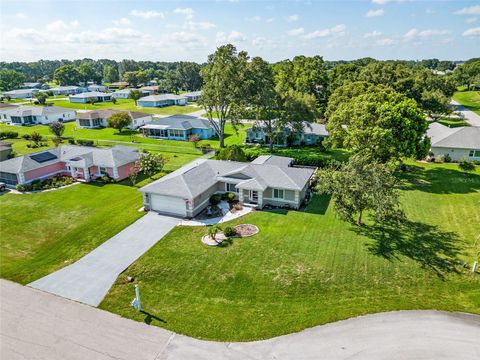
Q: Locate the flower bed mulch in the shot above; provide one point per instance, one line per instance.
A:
(245, 230)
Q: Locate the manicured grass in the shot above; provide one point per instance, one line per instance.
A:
(469, 99)
(308, 268)
(126, 104)
(232, 137)
(42, 232)
(453, 123)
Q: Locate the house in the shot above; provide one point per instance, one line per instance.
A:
(150, 90)
(98, 118)
(162, 100)
(32, 115)
(96, 87)
(31, 85)
(268, 180)
(20, 93)
(312, 134)
(193, 95)
(122, 94)
(5, 150)
(460, 143)
(118, 85)
(67, 90)
(86, 97)
(178, 127)
(81, 162)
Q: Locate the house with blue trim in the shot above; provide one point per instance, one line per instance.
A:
(84, 98)
(178, 127)
(162, 100)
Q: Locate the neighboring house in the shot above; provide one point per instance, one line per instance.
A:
(312, 134)
(193, 95)
(122, 94)
(98, 118)
(150, 90)
(162, 100)
(84, 98)
(32, 115)
(31, 85)
(96, 87)
(460, 143)
(67, 90)
(81, 162)
(5, 150)
(269, 180)
(20, 93)
(118, 85)
(178, 127)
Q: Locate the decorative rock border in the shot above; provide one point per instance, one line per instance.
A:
(249, 230)
(207, 240)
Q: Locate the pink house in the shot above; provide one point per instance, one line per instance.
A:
(81, 162)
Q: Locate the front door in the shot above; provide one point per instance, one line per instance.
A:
(254, 196)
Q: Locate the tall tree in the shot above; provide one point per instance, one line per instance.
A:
(41, 97)
(67, 75)
(135, 95)
(119, 121)
(172, 82)
(152, 163)
(110, 74)
(10, 79)
(225, 85)
(87, 72)
(189, 75)
(360, 185)
(435, 104)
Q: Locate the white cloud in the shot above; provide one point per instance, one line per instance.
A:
(375, 13)
(424, 34)
(335, 31)
(60, 25)
(122, 22)
(200, 25)
(269, 20)
(255, 18)
(232, 37)
(372, 34)
(385, 42)
(383, 2)
(20, 15)
(262, 43)
(293, 18)
(147, 14)
(473, 32)
(471, 10)
(188, 12)
(430, 11)
(296, 32)
(471, 20)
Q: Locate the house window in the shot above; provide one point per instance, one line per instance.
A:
(16, 119)
(97, 122)
(278, 194)
(476, 153)
(102, 170)
(84, 122)
(230, 187)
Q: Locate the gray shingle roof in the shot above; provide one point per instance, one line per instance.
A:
(104, 114)
(181, 122)
(36, 111)
(89, 95)
(196, 177)
(273, 160)
(193, 93)
(308, 128)
(467, 137)
(161, 97)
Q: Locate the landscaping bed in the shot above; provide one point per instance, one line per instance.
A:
(246, 230)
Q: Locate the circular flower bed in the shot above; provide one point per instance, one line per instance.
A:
(245, 230)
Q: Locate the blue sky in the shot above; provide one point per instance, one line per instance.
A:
(275, 30)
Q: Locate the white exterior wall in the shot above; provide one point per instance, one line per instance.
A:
(136, 123)
(69, 116)
(455, 154)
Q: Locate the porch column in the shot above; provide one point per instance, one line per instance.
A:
(86, 175)
(240, 195)
(72, 171)
(297, 198)
(260, 199)
(115, 173)
(21, 178)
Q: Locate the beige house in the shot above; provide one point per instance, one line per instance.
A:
(268, 180)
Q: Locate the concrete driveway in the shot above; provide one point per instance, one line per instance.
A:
(89, 279)
(38, 325)
(469, 116)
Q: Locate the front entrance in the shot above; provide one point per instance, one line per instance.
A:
(254, 197)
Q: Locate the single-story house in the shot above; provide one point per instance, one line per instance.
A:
(5, 150)
(81, 162)
(122, 94)
(193, 95)
(31, 115)
(98, 118)
(67, 90)
(178, 127)
(118, 85)
(150, 90)
(312, 134)
(162, 100)
(20, 93)
(31, 85)
(269, 180)
(460, 143)
(84, 98)
(96, 87)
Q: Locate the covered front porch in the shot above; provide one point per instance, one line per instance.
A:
(81, 170)
(165, 132)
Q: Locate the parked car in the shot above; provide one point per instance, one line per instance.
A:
(3, 186)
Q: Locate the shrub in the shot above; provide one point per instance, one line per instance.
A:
(229, 196)
(215, 199)
(229, 231)
(26, 136)
(447, 158)
(85, 142)
(213, 231)
(466, 165)
(71, 141)
(8, 134)
(439, 159)
(20, 187)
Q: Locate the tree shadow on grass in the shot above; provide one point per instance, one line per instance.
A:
(150, 317)
(319, 204)
(432, 248)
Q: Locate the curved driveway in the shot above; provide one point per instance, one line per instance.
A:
(38, 325)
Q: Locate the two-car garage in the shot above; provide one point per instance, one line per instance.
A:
(168, 205)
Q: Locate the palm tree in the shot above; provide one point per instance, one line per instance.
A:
(135, 95)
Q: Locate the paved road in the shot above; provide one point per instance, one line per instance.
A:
(38, 325)
(471, 117)
(89, 279)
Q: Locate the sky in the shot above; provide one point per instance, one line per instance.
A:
(275, 30)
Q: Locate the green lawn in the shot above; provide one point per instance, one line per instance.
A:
(308, 268)
(469, 99)
(126, 104)
(453, 123)
(42, 232)
(232, 137)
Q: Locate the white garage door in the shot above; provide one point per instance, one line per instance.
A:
(169, 205)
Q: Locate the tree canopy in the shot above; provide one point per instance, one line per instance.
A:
(10, 79)
(119, 121)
